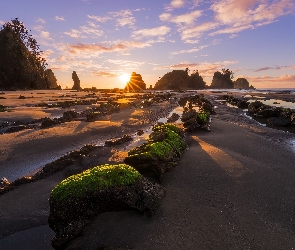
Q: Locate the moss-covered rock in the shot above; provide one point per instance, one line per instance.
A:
(78, 199)
(160, 153)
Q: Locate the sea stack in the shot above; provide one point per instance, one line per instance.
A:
(76, 80)
(136, 83)
(241, 83)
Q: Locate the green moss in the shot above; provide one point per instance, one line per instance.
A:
(167, 126)
(93, 179)
(173, 136)
(161, 150)
(203, 117)
(3, 108)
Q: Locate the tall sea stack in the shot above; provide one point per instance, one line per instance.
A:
(76, 80)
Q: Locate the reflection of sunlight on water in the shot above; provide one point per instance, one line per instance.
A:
(276, 103)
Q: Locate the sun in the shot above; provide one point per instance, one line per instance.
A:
(124, 78)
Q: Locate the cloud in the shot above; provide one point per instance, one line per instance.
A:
(40, 20)
(99, 18)
(189, 50)
(47, 53)
(158, 31)
(59, 18)
(187, 18)
(177, 3)
(45, 35)
(267, 79)
(126, 64)
(272, 68)
(94, 49)
(230, 30)
(86, 31)
(198, 30)
(124, 18)
(75, 34)
(104, 74)
(245, 13)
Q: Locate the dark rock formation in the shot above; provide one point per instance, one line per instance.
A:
(19, 67)
(70, 211)
(76, 80)
(50, 79)
(222, 80)
(118, 141)
(136, 83)
(241, 83)
(180, 79)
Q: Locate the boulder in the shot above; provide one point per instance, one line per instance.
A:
(77, 200)
(254, 106)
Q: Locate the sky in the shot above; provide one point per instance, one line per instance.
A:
(104, 41)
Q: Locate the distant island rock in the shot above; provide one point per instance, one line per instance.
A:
(180, 80)
(21, 64)
(222, 80)
(135, 83)
(241, 83)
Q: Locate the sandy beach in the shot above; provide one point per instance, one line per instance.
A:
(234, 188)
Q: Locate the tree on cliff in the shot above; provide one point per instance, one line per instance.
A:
(21, 63)
(180, 79)
(223, 80)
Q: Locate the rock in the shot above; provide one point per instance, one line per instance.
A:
(72, 207)
(4, 182)
(191, 124)
(266, 113)
(173, 118)
(279, 121)
(139, 132)
(135, 83)
(208, 107)
(241, 83)
(160, 154)
(124, 139)
(222, 80)
(14, 129)
(70, 115)
(93, 116)
(192, 113)
(180, 79)
(242, 104)
(76, 80)
(48, 122)
(254, 106)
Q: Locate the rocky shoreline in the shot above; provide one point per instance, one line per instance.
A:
(113, 152)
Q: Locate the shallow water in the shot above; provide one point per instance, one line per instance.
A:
(275, 102)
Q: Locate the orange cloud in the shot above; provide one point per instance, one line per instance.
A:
(98, 49)
(266, 78)
(104, 74)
